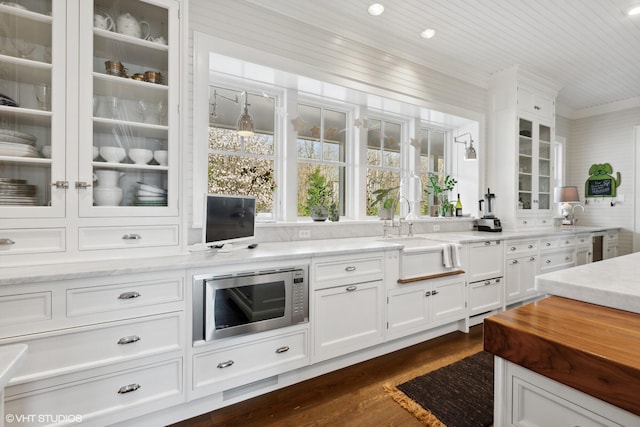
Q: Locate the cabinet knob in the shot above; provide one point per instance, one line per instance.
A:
(548, 261)
(434, 292)
(128, 388)
(128, 340)
(487, 282)
(283, 349)
(530, 246)
(548, 244)
(515, 261)
(537, 107)
(351, 288)
(567, 258)
(487, 243)
(226, 364)
(129, 295)
(513, 248)
(532, 258)
(350, 268)
(427, 294)
(6, 242)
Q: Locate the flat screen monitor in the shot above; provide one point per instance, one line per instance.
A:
(228, 219)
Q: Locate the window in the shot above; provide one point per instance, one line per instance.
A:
(241, 165)
(321, 157)
(432, 160)
(383, 158)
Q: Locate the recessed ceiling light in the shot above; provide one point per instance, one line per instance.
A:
(376, 9)
(428, 33)
(634, 11)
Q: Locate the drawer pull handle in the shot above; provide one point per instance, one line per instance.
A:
(548, 244)
(548, 261)
(226, 364)
(128, 340)
(513, 248)
(132, 236)
(427, 294)
(7, 242)
(532, 258)
(129, 295)
(128, 388)
(350, 268)
(434, 292)
(515, 261)
(525, 222)
(351, 288)
(487, 243)
(567, 258)
(282, 349)
(487, 282)
(530, 246)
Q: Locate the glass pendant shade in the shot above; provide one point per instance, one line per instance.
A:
(470, 152)
(245, 123)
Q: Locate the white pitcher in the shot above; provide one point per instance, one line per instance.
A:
(129, 26)
(107, 178)
(103, 21)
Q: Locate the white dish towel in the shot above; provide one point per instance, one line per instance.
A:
(451, 255)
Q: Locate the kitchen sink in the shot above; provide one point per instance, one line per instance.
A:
(411, 243)
(420, 257)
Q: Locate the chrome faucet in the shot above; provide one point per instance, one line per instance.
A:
(393, 224)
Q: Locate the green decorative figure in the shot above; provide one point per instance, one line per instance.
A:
(600, 182)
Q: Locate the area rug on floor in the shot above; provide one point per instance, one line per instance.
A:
(457, 395)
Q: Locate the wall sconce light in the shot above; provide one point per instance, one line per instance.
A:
(245, 121)
(469, 151)
(570, 200)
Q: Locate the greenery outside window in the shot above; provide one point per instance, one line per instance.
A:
(242, 165)
(321, 148)
(383, 159)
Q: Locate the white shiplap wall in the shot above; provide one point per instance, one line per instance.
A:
(322, 54)
(606, 138)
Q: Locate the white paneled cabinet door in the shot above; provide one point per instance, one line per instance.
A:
(32, 98)
(520, 278)
(534, 167)
(128, 97)
(347, 318)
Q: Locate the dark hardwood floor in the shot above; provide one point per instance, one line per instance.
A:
(352, 396)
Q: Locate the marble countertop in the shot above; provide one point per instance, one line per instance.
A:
(277, 251)
(614, 283)
(11, 357)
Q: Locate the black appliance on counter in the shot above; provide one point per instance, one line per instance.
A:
(488, 221)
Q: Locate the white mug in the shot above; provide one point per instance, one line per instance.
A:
(103, 22)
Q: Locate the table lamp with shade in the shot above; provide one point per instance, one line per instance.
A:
(570, 199)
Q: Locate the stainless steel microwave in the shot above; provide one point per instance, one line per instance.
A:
(249, 302)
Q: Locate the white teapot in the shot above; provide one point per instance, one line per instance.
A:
(103, 21)
(129, 26)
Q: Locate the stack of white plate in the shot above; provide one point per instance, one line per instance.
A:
(150, 195)
(17, 192)
(17, 144)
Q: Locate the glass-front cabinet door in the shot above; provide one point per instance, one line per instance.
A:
(534, 166)
(32, 98)
(128, 111)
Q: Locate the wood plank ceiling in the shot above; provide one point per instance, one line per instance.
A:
(588, 49)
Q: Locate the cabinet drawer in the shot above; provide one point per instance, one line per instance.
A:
(340, 271)
(99, 238)
(549, 244)
(583, 240)
(243, 364)
(100, 395)
(485, 296)
(486, 260)
(567, 242)
(521, 247)
(21, 309)
(81, 348)
(31, 241)
(123, 296)
(556, 261)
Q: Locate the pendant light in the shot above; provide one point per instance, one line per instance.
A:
(245, 121)
(469, 151)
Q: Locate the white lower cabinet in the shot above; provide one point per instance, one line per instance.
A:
(485, 296)
(418, 306)
(347, 318)
(236, 365)
(525, 398)
(520, 273)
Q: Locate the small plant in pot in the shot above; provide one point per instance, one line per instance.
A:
(387, 200)
(319, 196)
(441, 191)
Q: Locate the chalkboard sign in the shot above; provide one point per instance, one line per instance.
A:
(599, 187)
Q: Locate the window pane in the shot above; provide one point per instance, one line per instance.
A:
(377, 179)
(335, 124)
(374, 142)
(308, 149)
(223, 139)
(329, 176)
(311, 122)
(237, 175)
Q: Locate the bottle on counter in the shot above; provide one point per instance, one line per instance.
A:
(458, 206)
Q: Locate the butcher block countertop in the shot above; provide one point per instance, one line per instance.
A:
(588, 347)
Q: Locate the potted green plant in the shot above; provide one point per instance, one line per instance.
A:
(319, 196)
(441, 192)
(386, 200)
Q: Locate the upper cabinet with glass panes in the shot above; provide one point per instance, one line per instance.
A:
(129, 98)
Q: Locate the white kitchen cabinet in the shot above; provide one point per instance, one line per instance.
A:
(584, 251)
(610, 244)
(520, 151)
(525, 398)
(415, 307)
(485, 260)
(53, 46)
(485, 295)
(519, 278)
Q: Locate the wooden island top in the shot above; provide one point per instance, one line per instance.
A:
(588, 347)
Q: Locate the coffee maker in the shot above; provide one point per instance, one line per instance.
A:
(488, 221)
